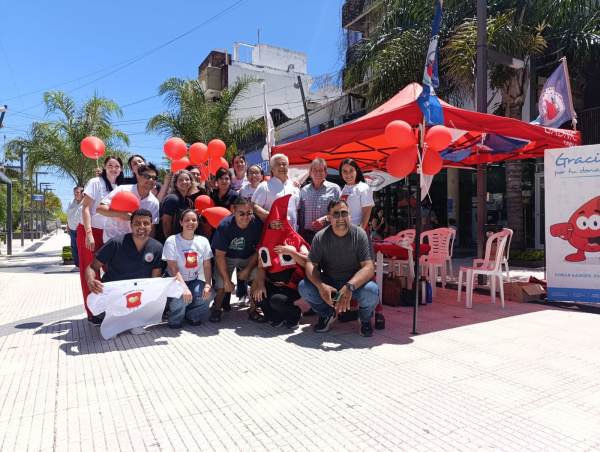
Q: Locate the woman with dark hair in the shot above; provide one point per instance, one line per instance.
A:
(239, 165)
(180, 198)
(378, 225)
(91, 227)
(197, 173)
(188, 258)
(255, 177)
(357, 193)
(134, 162)
(224, 195)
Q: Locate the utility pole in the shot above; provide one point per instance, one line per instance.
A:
(299, 85)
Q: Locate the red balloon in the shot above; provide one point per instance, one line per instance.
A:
(216, 164)
(180, 164)
(125, 201)
(400, 134)
(92, 147)
(175, 148)
(438, 138)
(214, 215)
(401, 162)
(203, 202)
(266, 178)
(198, 153)
(432, 162)
(216, 149)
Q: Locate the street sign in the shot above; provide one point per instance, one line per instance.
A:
(38, 197)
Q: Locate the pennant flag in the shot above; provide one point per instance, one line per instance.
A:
(270, 128)
(498, 144)
(428, 101)
(555, 104)
(456, 156)
(379, 179)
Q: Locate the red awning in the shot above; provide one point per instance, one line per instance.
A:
(364, 140)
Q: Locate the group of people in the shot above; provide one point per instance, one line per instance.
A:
(285, 242)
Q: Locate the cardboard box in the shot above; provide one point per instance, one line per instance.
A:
(523, 292)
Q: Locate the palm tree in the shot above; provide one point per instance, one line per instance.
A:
(56, 144)
(194, 118)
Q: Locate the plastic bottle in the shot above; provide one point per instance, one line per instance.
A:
(429, 292)
(422, 291)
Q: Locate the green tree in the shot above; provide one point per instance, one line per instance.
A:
(194, 118)
(57, 144)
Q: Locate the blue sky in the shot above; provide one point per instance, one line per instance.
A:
(45, 44)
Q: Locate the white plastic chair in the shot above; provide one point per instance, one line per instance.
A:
(436, 258)
(451, 238)
(491, 268)
(505, 256)
(405, 240)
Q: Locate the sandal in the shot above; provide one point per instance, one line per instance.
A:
(215, 317)
(255, 316)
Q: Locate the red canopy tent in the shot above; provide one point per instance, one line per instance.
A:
(364, 139)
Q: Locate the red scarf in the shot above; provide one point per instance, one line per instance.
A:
(270, 238)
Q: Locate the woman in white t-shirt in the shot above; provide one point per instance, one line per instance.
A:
(357, 193)
(91, 227)
(239, 165)
(255, 177)
(188, 259)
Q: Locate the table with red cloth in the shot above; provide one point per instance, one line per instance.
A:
(382, 247)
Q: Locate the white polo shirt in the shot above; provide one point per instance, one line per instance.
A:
(359, 196)
(96, 190)
(268, 191)
(114, 226)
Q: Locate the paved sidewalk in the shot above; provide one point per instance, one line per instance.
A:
(522, 378)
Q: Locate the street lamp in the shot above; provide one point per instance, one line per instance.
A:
(44, 204)
(37, 205)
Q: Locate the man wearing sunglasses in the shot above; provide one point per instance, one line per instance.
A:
(340, 266)
(235, 246)
(118, 223)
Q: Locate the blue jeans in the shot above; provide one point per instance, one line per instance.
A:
(194, 310)
(74, 252)
(367, 297)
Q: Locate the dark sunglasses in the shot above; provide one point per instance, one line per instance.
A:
(244, 214)
(253, 173)
(147, 176)
(343, 213)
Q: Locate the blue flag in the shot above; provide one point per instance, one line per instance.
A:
(555, 104)
(428, 101)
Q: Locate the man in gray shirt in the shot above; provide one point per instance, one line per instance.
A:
(340, 262)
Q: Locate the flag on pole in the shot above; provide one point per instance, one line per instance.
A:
(270, 128)
(555, 104)
(428, 101)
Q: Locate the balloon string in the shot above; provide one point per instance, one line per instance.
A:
(97, 161)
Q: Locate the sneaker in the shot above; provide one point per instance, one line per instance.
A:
(277, 323)
(194, 322)
(292, 324)
(173, 326)
(323, 325)
(137, 330)
(243, 300)
(366, 329)
(95, 320)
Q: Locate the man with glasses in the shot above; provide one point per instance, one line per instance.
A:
(118, 223)
(340, 268)
(277, 187)
(314, 199)
(235, 246)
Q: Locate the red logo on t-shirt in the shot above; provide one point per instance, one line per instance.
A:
(134, 300)
(191, 260)
(344, 197)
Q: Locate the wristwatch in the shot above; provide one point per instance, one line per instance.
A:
(350, 287)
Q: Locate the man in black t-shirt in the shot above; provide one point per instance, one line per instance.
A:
(130, 256)
(234, 244)
(344, 254)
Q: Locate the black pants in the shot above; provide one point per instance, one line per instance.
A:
(279, 304)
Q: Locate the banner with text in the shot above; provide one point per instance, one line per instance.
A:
(572, 185)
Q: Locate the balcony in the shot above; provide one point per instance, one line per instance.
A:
(356, 15)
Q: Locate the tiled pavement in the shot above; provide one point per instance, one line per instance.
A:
(522, 378)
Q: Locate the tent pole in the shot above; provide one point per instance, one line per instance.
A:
(418, 228)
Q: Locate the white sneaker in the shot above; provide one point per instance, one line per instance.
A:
(243, 301)
(137, 330)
